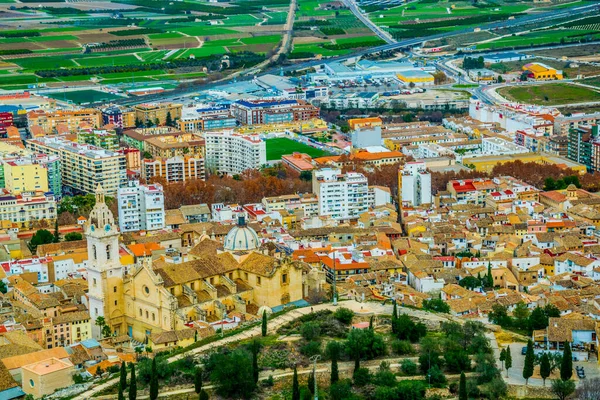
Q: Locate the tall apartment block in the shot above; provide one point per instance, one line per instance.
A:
(72, 120)
(82, 166)
(141, 207)
(415, 183)
(232, 153)
(341, 196)
(174, 169)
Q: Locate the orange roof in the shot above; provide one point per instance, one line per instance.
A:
(342, 267)
(82, 218)
(144, 249)
(25, 359)
(554, 224)
(12, 132)
(358, 122)
(306, 255)
(365, 155)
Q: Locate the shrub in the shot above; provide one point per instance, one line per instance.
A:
(344, 315)
(402, 347)
(311, 331)
(361, 377)
(408, 367)
(311, 349)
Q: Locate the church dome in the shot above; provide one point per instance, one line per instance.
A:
(241, 238)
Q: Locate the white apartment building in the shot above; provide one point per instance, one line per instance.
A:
(232, 153)
(141, 207)
(416, 184)
(27, 207)
(345, 196)
(82, 166)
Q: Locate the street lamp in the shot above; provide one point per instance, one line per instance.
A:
(314, 360)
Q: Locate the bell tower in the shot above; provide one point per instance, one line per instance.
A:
(104, 270)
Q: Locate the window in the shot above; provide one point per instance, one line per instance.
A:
(114, 289)
(31, 383)
(147, 314)
(95, 283)
(284, 278)
(94, 252)
(258, 280)
(115, 302)
(108, 252)
(153, 317)
(140, 312)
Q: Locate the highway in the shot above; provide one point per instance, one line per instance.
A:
(407, 43)
(383, 35)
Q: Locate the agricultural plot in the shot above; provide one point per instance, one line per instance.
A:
(550, 94)
(540, 38)
(106, 61)
(202, 52)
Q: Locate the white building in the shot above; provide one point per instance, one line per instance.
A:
(496, 146)
(141, 207)
(366, 137)
(416, 184)
(354, 100)
(38, 265)
(346, 196)
(231, 153)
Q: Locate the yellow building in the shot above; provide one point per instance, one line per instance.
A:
(22, 210)
(356, 123)
(157, 111)
(21, 175)
(539, 71)
(416, 77)
(72, 120)
(45, 377)
(183, 145)
(487, 163)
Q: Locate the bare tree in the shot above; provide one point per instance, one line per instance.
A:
(589, 389)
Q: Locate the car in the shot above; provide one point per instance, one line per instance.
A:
(524, 350)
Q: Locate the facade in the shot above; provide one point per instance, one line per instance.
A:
(231, 153)
(72, 120)
(175, 169)
(119, 117)
(366, 136)
(150, 113)
(83, 167)
(416, 77)
(539, 71)
(27, 207)
(415, 184)
(251, 112)
(498, 146)
(105, 139)
(202, 119)
(183, 145)
(45, 377)
(583, 146)
(341, 196)
(22, 175)
(141, 207)
(307, 202)
(353, 100)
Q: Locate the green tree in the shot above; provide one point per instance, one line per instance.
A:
(56, 236)
(470, 282)
(371, 323)
(538, 319)
(255, 349)
(264, 323)
(436, 377)
(154, 381)
(132, 384)
(123, 377)
(306, 175)
(489, 278)
(169, 119)
(120, 396)
(3, 287)
(344, 315)
(198, 380)
(203, 395)
(295, 386)
(528, 363)
(232, 374)
(42, 236)
(502, 357)
(437, 305)
(566, 367)
(73, 236)
(408, 367)
(508, 360)
(341, 390)
(521, 314)
(563, 389)
(311, 382)
(333, 349)
(545, 367)
(462, 387)
(310, 330)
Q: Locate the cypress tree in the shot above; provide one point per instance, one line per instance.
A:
(566, 367)
(311, 383)
(203, 395)
(394, 317)
(371, 323)
(56, 236)
(545, 367)
(502, 357)
(508, 360)
(198, 380)
(154, 381)
(120, 396)
(295, 386)
(123, 379)
(264, 323)
(335, 373)
(528, 364)
(462, 387)
(132, 384)
(489, 277)
(255, 348)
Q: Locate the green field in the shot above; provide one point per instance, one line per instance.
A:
(550, 94)
(104, 61)
(539, 38)
(282, 146)
(202, 52)
(84, 96)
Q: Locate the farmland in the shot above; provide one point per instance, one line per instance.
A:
(550, 94)
(282, 146)
(168, 32)
(542, 37)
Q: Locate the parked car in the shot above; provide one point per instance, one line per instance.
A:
(524, 350)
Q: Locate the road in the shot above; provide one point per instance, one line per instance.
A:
(275, 323)
(383, 35)
(403, 44)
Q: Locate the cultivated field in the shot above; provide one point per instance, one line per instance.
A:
(550, 94)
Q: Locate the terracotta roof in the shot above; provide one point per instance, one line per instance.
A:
(25, 359)
(561, 329)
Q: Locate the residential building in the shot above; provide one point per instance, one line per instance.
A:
(251, 112)
(202, 119)
(499, 146)
(141, 207)
(137, 137)
(307, 202)
(353, 100)
(167, 146)
(232, 153)
(584, 146)
(415, 183)
(298, 161)
(72, 120)
(105, 139)
(22, 175)
(175, 169)
(83, 167)
(27, 207)
(366, 136)
(157, 112)
(355, 123)
(119, 117)
(45, 377)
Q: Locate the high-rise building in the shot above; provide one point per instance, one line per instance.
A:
(83, 167)
(415, 183)
(103, 138)
(231, 153)
(250, 112)
(152, 112)
(72, 120)
(27, 207)
(341, 196)
(174, 169)
(141, 207)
